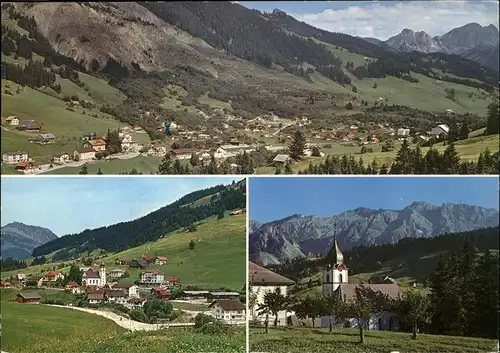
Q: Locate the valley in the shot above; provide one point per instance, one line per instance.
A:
(227, 110)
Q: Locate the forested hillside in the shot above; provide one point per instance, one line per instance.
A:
(151, 227)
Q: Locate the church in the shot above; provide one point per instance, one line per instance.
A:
(336, 282)
(94, 278)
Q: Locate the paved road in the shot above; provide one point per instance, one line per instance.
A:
(124, 322)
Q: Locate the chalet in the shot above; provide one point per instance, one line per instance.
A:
(120, 261)
(24, 166)
(131, 290)
(28, 297)
(237, 212)
(160, 260)
(52, 276)
(439, 130)
(172, 281)
(229, 311)
(73, 287)
(34, 281)
(282, 159)
(263, 281)
(29, 126)
(12, 120)
(61, 158)
(95, 297)
(161, 293)
(138, 263)
(97, 144)
(148, 258)
(43, 139)
(152, 277)
(116, 273)
(183, 153)
(84, 154)
(117, 296)
(15, 157)
(135, 303)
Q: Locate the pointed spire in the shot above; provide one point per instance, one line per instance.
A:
(334, 256)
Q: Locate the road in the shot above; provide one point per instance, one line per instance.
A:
(44, 168)
(124, 322)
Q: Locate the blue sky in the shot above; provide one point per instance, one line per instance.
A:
(70, 205)
(383, 19)
(276, 198)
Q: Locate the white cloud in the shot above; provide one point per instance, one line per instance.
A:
(382, 21)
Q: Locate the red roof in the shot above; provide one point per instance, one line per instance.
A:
(95, 296)
(159, 289)
(51, 273)
(172, 279)
(122, 259)
(72, 284)
(162, 258)
(23, 164)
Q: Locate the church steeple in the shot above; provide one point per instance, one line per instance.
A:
(335, 256)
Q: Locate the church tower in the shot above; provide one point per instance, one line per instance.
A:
(102, 274)
(335, 272)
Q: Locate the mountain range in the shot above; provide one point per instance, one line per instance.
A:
(19, 239)
(471, 41)
(298, 235)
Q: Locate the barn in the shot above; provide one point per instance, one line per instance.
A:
(29, 297)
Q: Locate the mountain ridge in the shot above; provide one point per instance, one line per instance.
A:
(19, 239)
(289, 238)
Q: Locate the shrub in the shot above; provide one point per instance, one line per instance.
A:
(202, 319)
(138, 315)
(75, 98)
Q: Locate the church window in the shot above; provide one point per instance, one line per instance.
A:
(327, 278)
(340, 278)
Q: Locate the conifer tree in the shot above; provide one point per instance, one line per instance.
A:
(297, 146)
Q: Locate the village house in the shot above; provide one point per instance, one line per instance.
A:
(28, 297)
(148, 258)
(282, 159)
(160, 293)
(229, 311)
(231, 150)
(43, 139)
(61, 158)
(73, 288)
(335, 282)
(349, 136)
(120, 261)
(15, 157)
(131, 290)
(84, 154)
(12, 120)
(97, 144)
(116, 273)
(5, 284)
(135, 303)
(116, 296)
(439, 130)
(263, 281)
(95, 297)
(21, 277)
(152, 277)
(237, 212)
(128, 144)
(52, 276)
(34, 281)
(182, 153)
(89, 136)
(26, 167)
(403, 133)
(138, 263)
(172, 281)
(28, 126)
(160, 260)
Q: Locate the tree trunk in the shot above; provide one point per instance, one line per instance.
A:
(266, 323)
(414, 331)
(361, 332)
(276, 320)
(330, 323)
(312, 319)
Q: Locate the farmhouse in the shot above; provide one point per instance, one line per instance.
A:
(84, 154)
(439, 130)
(282, 159)
(28, 297)
(230, 311)
(138, 263)
(117, 296)
(335, 282)
(61, 158)
(148, 258)
(25, 166)
(73, 287)
(135, 303)
(152, 277)
(34, 281)
(15, 157)
(183, 153)
(96, 144)
(95, 297)
(172, 281)
(161, 293)
(131, 290)
(263, 281)
(12, 120)
(120, 261)
(43, 139)
(29, 126)
(52, 276)
(160, 260)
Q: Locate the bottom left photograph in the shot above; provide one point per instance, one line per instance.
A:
(123, 264)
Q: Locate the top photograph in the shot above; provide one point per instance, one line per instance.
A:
(108, 88)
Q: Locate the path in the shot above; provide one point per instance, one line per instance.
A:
(282, 128)
(124, 322)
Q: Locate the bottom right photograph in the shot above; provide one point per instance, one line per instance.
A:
(373, 264)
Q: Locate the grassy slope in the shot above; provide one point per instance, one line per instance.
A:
(346, 341)
(218, 259)
(60, 330)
